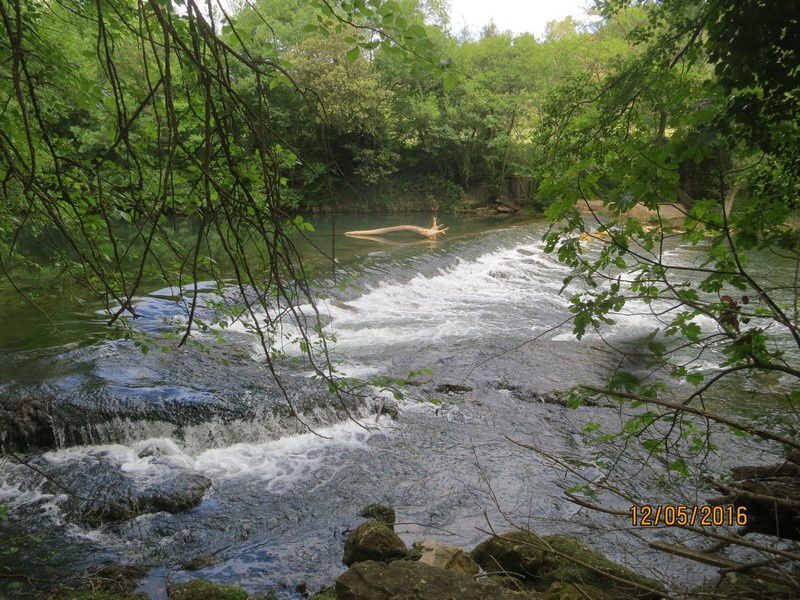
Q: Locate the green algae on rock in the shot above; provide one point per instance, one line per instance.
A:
(373, 540)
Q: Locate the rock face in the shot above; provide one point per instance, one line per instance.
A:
(517, 553)
(441, 556)
(408, 580)
(200, 589)
(373, 540)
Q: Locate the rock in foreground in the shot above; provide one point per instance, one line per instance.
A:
(409, 580)
(557, 562)
(440, 555)
(373, 540)
(570, 561)
(517, 553)
(201, 589)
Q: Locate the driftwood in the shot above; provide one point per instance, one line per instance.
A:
(431, 232)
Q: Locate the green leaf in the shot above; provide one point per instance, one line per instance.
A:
(450, 81)
(353, 54)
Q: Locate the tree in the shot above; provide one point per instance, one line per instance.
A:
(622, 145)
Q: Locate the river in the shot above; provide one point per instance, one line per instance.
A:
(478, 315)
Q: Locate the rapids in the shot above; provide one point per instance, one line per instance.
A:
(482, 310)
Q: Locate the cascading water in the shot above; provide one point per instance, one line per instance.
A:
(274, 498)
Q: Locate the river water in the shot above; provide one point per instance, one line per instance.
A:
(480, 311)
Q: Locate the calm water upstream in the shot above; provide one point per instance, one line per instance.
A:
(277, 500)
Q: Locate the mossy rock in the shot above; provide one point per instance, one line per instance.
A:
(516, 553)
(742, 586)
(411, 580)
(373, 540)
(201, 589)
(198, 563)
(111, 582)
(325, 594)
(506, 582)
(575, 591)
(559, 568)
(380, 512)
(96, 595)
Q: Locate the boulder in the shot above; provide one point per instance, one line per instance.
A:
(516, 553)
(201, 589)
(380, 512)
(410, 580)
(439, 555)
(561, 565)
(373, 540)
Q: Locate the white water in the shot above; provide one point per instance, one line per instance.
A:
(280, 464)
(514, 290)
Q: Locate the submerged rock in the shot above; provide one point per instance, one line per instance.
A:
(206, 397)
(202, 589)
(380, 512)
(439, 555)
(409, 580)
(452, 388)
(516, 553)
(198, 563)
(100, 492)
(373, 540)
(385, 406)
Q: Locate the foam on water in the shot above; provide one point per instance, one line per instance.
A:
(279, 463)
(511, 287)
(515, 287)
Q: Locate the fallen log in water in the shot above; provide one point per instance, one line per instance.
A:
(431, 232)
(771, 495)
